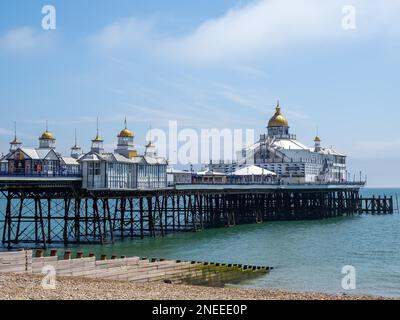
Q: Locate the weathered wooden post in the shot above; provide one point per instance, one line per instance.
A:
(39, 253)
(67, 255)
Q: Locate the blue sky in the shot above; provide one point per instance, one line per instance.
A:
(206, 64)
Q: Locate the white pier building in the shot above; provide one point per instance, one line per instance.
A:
(124, 168)
(279, 151)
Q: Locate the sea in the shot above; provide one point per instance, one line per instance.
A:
(305, 255)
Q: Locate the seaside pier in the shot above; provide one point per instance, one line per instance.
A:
(47, 199)
(43, 212)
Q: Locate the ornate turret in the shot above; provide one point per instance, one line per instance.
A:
(76, 150)
(97, 143)
(47, 139)
(278, 125)
(317, 144)
(125, 145)
(278, 120)
(15, 144)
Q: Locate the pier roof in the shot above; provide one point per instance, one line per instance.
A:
(253, 171)
(116, 157)
(210, 173)
(35, 154)
(154, 160)
(70, 161)
(108, 157)
(331, 152)
(172, 170)
(290, 144)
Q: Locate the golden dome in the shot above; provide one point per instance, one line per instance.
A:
(317, 139)
(98, 139)
(47, 136)
(126, 133)
(278, 120)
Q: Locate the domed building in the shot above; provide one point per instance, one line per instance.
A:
(15, 144)
(125, 144)
(278, 125)
(123, 169)
(43, 161)
(279, 151)
(47, 140)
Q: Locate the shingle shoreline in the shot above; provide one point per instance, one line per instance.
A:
(28, 287)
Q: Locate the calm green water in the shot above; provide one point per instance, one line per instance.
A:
(307, 256)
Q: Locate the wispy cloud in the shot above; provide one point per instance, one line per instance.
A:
(248, 70)
(297, 114)
(21, 135)
(125, 34)
(237, 98)
(6, 132)
(254, 30)
(25, 40)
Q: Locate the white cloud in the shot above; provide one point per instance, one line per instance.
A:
(266, 26)
(24, 40)
(125, 34)
(6, 132)
(257, 29)
(237, 98)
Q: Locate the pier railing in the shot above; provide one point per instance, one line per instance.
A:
(272, 183)
(42, 174)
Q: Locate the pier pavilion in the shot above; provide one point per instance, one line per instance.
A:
(41, 161)
(34, 161)
(279, 151)
(123, 169)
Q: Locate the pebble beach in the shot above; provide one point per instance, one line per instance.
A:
(28, 287)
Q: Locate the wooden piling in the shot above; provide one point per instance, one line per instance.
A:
(100, 217)
(39, 253)
(67, 255)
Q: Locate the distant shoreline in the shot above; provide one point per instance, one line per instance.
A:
(28, 287)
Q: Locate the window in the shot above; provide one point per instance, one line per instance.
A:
(94, 169)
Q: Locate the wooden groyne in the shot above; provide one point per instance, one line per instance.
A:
(132, 269)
